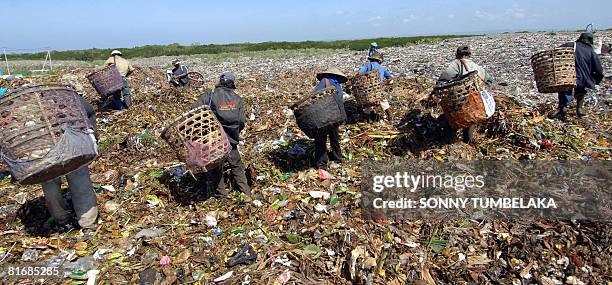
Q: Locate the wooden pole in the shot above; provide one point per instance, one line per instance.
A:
(45, 62)
(50, 61)
(6, 61)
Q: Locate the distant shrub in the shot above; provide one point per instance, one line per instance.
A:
(194, 48)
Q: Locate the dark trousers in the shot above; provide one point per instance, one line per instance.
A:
(321, 155)
(178, 83)
(566, 98)
(238, 175)
(123, 99)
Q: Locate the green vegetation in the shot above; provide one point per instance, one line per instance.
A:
(267, 54)
(181, 50)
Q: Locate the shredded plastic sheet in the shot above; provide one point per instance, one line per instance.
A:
(202, 157)
(75, 149)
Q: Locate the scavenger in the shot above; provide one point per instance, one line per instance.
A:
(330, 77)
(375, 64)
(461, 65)
(178, 75)
(121, 99)
(589, 73)
(372, 49)
(81, 191)
(229, 110)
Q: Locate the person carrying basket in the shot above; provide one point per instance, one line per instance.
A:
(589, 73)
(461, 65)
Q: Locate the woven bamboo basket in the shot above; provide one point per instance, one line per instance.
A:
(32, 122)
(461, 100)
(554, 70)
(198, 126)
(196, 77)
(106, 81)
(367, 89)
(319, 110)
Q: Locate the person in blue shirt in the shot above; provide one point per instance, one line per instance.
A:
(330, 77)
(372, 50)
(375, 63)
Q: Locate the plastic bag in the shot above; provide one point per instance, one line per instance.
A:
(202, 158)
(74, 150)
(489, 103)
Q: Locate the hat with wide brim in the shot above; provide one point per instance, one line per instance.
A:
(376, 56)
(116, 52)
(333, 71)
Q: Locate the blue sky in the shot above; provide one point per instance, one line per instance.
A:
(77, 24)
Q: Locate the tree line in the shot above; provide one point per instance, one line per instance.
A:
(181, 50)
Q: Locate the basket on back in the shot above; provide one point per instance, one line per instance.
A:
(463, 100)
(318, 111)
(554, 70)
(106, 81)
(44, 133)
(367, 89)
(199, 139)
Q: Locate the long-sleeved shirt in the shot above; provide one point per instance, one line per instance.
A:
(371, 51)
(373, 65)
(228, 108)
(181, 70)
(589, 71)
(455, 69)
(332, 82)
(122, 64)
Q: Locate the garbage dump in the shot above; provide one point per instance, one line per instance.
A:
(305, 226)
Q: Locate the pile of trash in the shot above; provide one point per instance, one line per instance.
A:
(305, 226)
(506, 56)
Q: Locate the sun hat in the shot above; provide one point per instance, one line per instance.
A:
(376, 56)
(333, 71)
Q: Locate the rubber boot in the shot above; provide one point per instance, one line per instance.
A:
(580, 106)
(559, 114)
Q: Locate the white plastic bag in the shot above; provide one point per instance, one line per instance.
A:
(489, 103)
(384, 104)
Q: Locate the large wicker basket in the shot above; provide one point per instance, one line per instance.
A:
(199, 139)
(33, 122)
(196, 78)
(554, 70)
(461, 100)
(318, 111)
(367, 89)
(106, 81)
